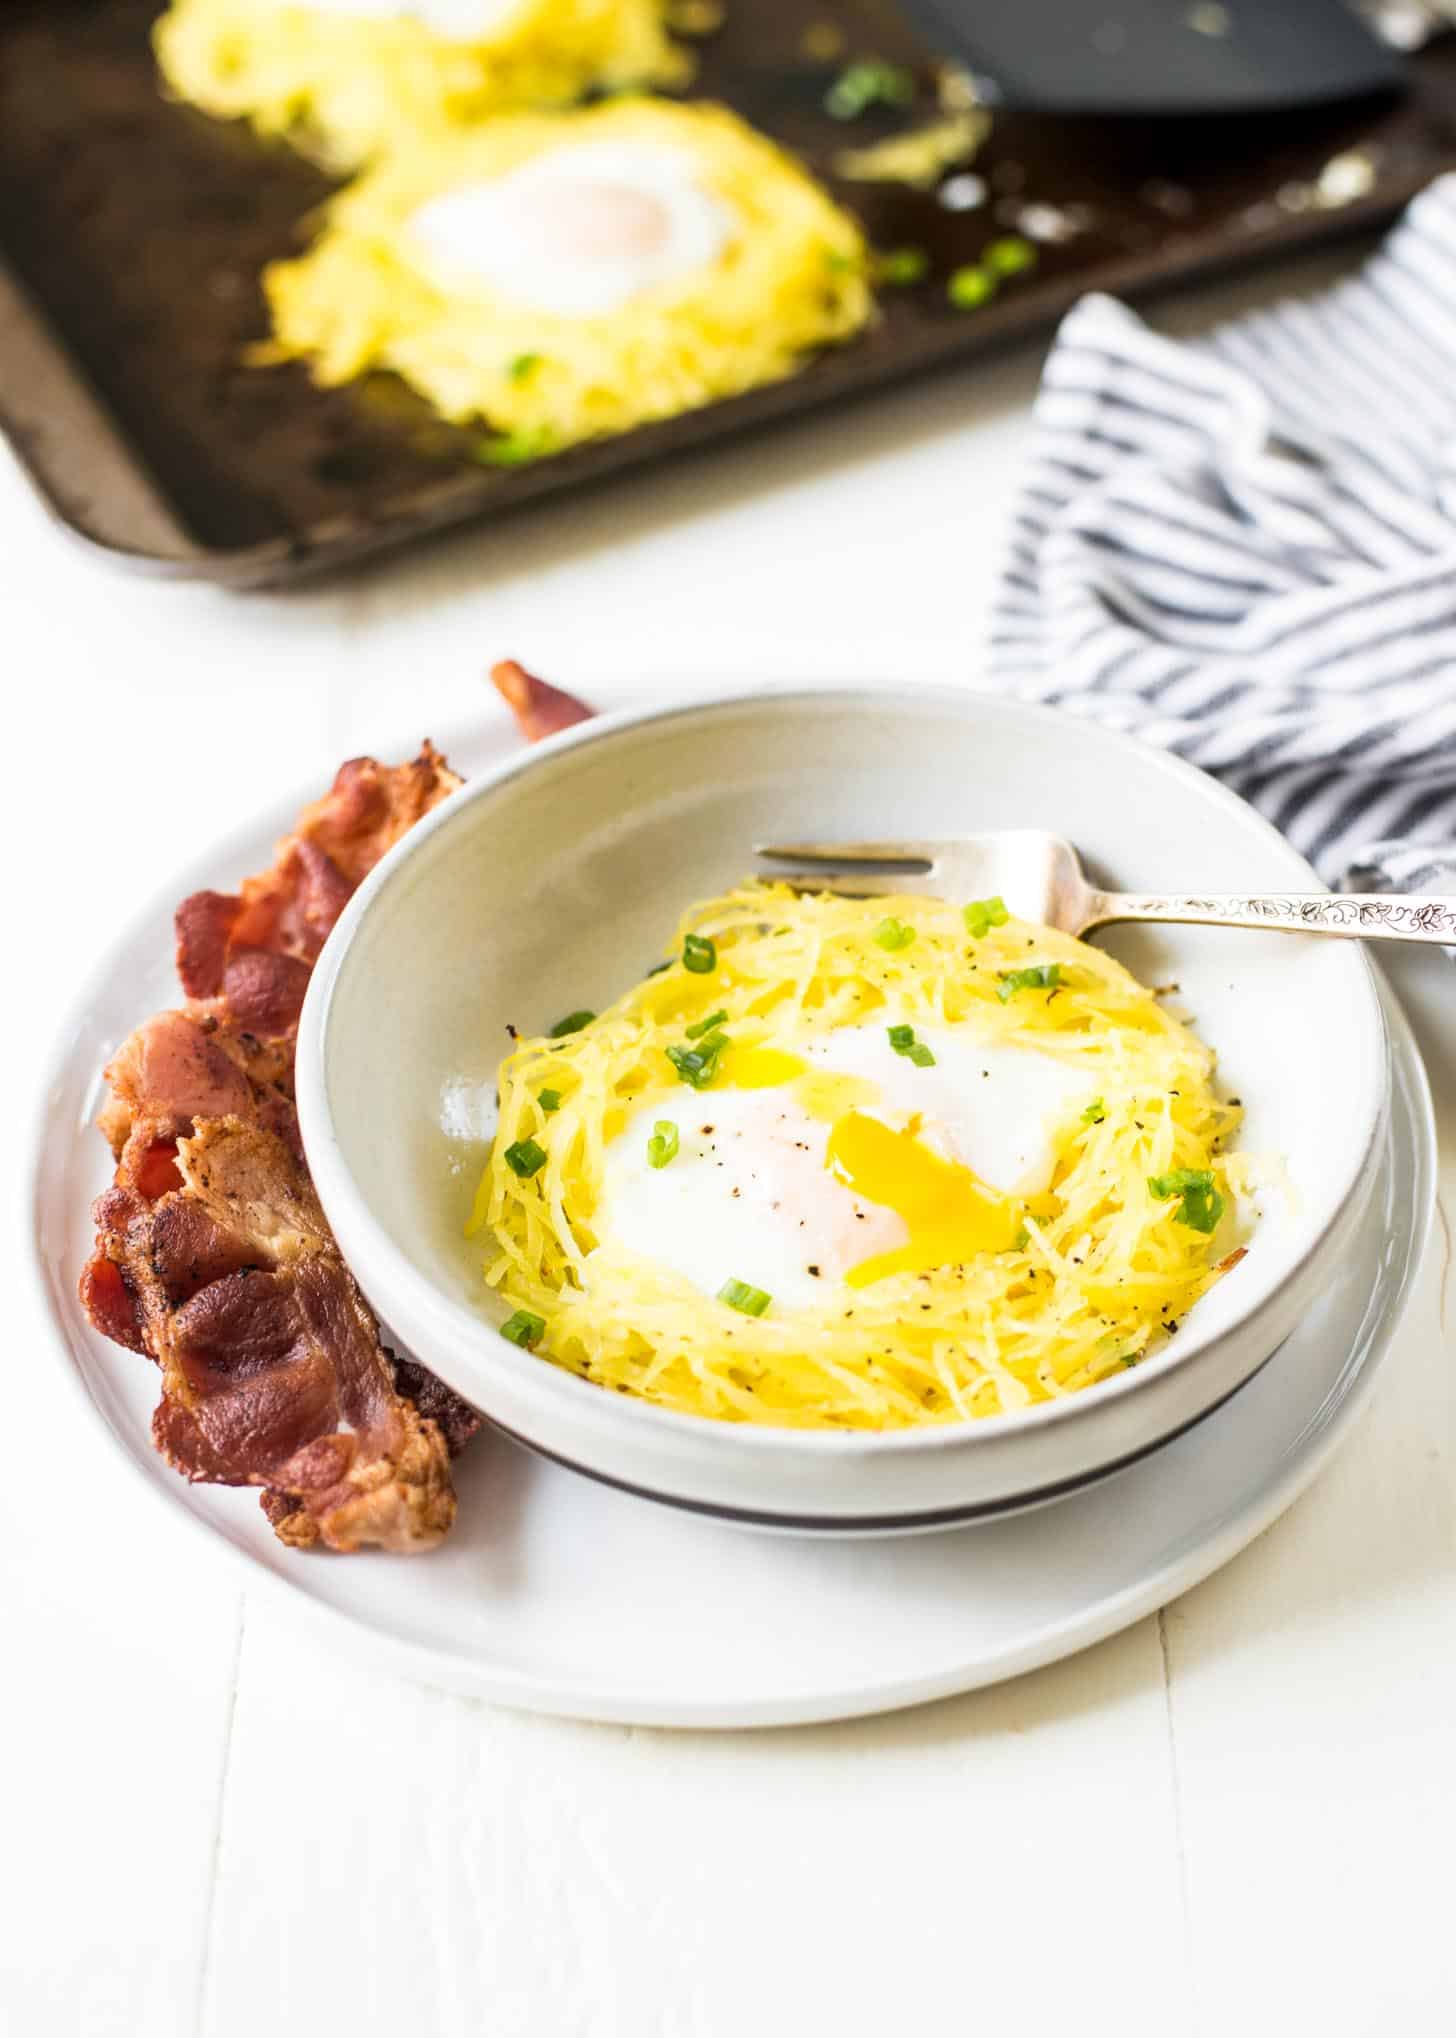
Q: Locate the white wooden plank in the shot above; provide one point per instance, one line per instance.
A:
(120, 1641)
(1314, 1688)
(393, 1858)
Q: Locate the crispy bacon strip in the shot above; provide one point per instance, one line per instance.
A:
(540, 710)
(212, 1255)
(250, 954)
(273, 1374)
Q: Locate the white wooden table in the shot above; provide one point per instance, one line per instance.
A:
(1235, 1817)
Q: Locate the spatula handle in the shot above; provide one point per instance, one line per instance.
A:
(1358, 916)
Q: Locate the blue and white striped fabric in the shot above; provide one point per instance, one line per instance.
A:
(1244, 548)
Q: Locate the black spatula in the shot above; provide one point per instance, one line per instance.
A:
(1159, 57)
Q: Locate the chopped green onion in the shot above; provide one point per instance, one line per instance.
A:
(870, 82)
(892, 934)
(1038, 976)
(525, 1158)
(900, 267)
(518, 449)
(706, 1025)
(1010, 256)
(740, 1296)
(522, 366)
(981, 915)
(549, 1100)
(1200, 1205)
(968, 289)
(1095, 1113)
(524, 1329)
(572, 1023)
(902, 1039)
(658, 967)
(662, 1147)
(698, 1065)
(700, 955)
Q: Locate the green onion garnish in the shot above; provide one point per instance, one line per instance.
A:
(1200, 1205)
(700, 955)
(524, 1329)
(525, 1158)
(522, 366)
(1038, 976)
(871, 82)
(572, 1023)
(900, 267)
(518, 449)
(1095, 1113)
(1010, 256)
(902, 1039)
(706, 1025)
(698, 1065)
(981, 915)
(893, 934)
(663, 1144)
(746, 1300)
(549, 1100)
(970, 288)
(658, 967)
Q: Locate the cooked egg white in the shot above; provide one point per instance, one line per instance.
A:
(861, 1163)
(575, 232)
(347, 79)
(558, 276)
(834, 1167)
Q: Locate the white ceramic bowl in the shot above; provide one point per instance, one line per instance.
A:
(550, 883)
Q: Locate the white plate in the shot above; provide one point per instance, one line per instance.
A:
(562, 1596)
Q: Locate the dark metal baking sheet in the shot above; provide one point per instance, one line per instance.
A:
(132, 232)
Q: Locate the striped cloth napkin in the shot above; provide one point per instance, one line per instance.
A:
(1244, 548)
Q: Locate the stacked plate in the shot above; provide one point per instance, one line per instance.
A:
(522, 897)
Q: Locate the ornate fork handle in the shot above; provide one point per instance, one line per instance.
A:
(1363, 916)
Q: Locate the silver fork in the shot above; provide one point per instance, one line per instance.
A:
(1040, 877)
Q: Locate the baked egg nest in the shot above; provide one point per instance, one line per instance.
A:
(345, 79)
(861, 1164)
(559, 276)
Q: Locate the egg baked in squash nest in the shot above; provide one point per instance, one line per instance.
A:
(557, 276)
(344, 79)
(864, 1164)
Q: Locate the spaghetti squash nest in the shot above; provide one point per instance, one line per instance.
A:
(1069, 1283)
(343, 85)
(782, 271)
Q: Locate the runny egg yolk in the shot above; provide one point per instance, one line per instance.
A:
(759, 1068)
(949, 1214)
(823, 1093)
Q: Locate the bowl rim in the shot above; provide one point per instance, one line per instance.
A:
(365, 1241)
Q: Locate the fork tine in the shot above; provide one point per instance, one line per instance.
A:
(828, 881)
(852, 885)
(914, 855)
